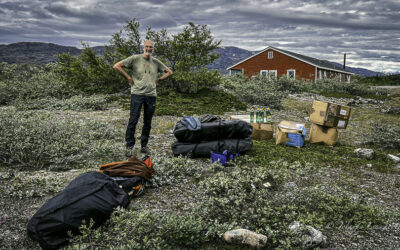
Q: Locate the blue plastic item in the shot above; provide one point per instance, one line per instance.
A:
(296, 139)
(223, 158)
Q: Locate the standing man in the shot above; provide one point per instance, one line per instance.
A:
(143, 82)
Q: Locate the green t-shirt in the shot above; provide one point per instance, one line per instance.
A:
(144, 74)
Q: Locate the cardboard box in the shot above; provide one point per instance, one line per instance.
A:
(297, 131)
(262, 131)
(322, 134)
(245, 118)
(330, 114)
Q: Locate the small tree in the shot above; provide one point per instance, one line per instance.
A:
(186, 53)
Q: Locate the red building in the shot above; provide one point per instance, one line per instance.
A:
(274, 62)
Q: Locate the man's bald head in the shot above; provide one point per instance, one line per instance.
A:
(148, 48)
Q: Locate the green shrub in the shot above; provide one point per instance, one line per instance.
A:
(40, 83)
(206, 101)
(89, 73)
(384, 135)
(259, 90)
(27, 186)
(173, 170)
(141, 229)
(393, 79)
(192, 82)
(38, 139)
(348, 89)
(241, 196)
(76, 103)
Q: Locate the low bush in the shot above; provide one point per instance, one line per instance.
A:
(260, 90)
(384, 135)
(29, 84)
(26, 186)
(192, 82)
(141, 229)
(76, 103)
(38, 139)
(173, 170)
(254, 197)
(341, 88)
(206, 101)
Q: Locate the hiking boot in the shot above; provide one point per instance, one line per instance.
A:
(129, 151)
(145, 150)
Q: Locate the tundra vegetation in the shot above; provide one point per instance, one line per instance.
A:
(60, 120)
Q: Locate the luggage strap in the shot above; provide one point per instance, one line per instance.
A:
(194, 150)
(237, 146)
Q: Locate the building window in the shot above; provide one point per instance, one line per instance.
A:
(348, 78)
(264, 72)
(235, 72)
(291, 73)
(324, 74)
(320, 74)
(272, 74)
(270, 54)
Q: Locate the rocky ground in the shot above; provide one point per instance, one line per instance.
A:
(378, 187)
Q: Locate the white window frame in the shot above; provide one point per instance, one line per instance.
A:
(270, 54)
(262, 71)
(294, 73)
(324, 74)
(275, 74)
(320, 74)
(235, 72)
(348, 78)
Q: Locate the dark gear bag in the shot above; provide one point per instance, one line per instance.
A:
(91, 195)
(213, 130)
(203, 149)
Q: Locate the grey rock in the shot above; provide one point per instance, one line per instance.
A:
(391, 110)
(369, 165)
(245, 237)
(394, 110)
(290, 185)
(310, 239)
(352, 103)
(365, 153)
(394, 158)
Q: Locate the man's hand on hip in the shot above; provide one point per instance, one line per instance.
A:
(130, 80)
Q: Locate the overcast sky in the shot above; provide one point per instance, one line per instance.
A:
(368, 31)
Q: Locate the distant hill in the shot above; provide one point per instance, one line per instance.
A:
(42, 53)
(360, 71)
(33, 52)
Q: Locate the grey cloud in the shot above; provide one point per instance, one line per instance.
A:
(159, 22)
(325, 29)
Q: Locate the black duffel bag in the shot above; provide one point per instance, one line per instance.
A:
(216, 130)
(203, 149)
(91, 195)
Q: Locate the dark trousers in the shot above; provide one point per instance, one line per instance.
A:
(137, 101)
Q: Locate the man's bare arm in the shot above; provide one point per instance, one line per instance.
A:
(167, 71)
(118, 67)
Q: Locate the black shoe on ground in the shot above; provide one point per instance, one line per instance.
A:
(145, 150)
(129, 151)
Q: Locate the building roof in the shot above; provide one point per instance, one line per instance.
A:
(310, 60)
